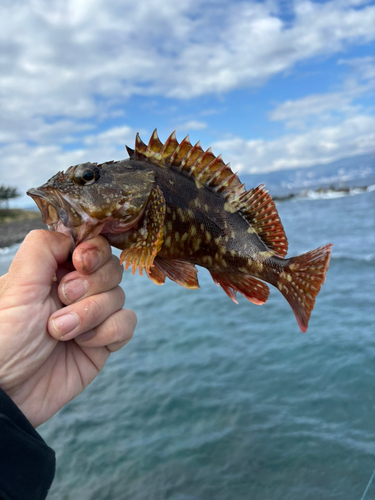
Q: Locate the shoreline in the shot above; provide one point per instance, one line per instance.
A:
(15, 232)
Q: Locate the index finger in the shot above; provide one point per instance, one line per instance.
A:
(92, 254)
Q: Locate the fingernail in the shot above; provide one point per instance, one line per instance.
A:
(66, 323)
(85, 336)
(91, 259)
(74, 289)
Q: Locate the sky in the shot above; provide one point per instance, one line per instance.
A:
(269, 84)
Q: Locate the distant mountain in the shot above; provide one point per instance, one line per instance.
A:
(347, 172)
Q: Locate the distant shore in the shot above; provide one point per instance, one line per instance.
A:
(15, 224)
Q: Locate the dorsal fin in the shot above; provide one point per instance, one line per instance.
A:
(258, 208)
(203, 166)
(131, 152)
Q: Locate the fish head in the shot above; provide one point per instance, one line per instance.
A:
(89, 199)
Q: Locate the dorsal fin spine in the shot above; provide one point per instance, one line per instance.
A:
(204, 167)
(192, 156)
(199, 165)
(131, 152)
(224, 183)
(217, 174)
(140, 147)
(180, 152)
(230, 190)
(154, 145)
(169, 146)
(235, 194)
(208, 167)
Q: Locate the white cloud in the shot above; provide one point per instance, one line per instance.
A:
(65, 58)
(355, 136)
(192, 125)
(321, 105)
(363, 66)
(342, 103)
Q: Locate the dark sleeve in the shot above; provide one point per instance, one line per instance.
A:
(27, 464)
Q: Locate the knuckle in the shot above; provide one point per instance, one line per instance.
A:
(94, 308)
(116, 270)
(117, 330)
(120, 296)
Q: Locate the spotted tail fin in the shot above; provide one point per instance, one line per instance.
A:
(301, 281)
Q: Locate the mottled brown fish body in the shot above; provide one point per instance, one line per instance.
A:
(173, 206)
(196, 224)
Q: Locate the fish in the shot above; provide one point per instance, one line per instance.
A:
(170, 207)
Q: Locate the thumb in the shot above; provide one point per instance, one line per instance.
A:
(38, 258)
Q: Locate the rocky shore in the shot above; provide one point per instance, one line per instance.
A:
(15, 231)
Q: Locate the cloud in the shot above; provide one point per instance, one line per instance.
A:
(355, 136)
(363, 66)
(295, 112)
(330, 105)
(77, 58)
(192, 125)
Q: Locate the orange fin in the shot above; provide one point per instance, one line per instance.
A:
(202, 165)
(253, 289)
(258, 208)
(301, 281)
(156, 275)
(142, 252)
(181, 272)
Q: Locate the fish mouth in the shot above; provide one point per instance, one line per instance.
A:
(52, 209)
(61, 216)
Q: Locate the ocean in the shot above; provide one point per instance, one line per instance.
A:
(217, 401)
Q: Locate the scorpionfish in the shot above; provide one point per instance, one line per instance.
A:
(172, 206)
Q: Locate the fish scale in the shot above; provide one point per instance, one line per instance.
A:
(173, 206)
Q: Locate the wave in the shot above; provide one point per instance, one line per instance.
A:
(6, 250)
(358, 258)
(326, 193)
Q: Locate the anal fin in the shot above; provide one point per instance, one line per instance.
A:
(253, 289)
(181, 272)
(156, 275)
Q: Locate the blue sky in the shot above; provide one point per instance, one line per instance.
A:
(270, 85)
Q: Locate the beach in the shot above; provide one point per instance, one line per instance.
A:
(14, 232)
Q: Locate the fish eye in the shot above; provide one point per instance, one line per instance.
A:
(86, 174)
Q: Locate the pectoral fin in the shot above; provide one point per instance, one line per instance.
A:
(148, 239)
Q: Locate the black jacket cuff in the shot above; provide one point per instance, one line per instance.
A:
(27, 464)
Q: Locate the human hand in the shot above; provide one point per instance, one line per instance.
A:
(42, 365)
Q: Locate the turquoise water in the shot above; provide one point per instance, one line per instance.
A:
(217, 401)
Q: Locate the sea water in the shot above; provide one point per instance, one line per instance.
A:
(217, 401)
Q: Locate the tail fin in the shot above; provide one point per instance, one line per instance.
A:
(301, 281)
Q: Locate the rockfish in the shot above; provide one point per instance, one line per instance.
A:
(172, 206)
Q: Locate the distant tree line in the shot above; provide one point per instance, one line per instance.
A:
(7, 193)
